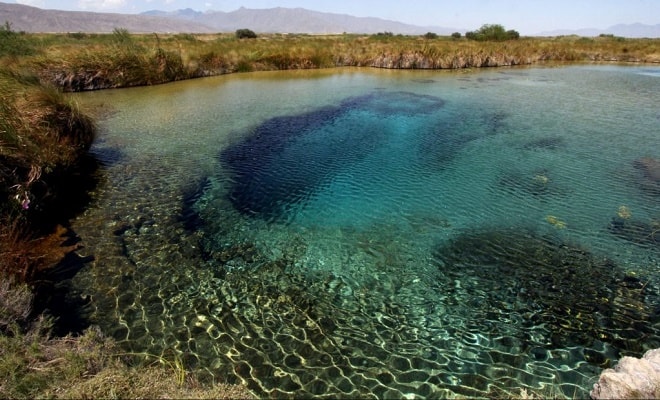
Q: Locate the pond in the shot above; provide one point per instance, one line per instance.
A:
(374, 233)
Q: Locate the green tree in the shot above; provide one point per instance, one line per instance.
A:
(492, 32)
(245, 34)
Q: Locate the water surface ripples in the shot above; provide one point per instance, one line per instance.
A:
(378, 234)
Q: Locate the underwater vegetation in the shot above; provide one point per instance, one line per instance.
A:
(538, 183)
(640, 232)
(649, 179)
(564, 295)
(555, 221)
(287, 159)
(545, 143)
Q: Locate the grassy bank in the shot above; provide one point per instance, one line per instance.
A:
(90, 366)
(44, 139)
(88, 61)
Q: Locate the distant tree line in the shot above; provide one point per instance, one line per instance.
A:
(488, 32)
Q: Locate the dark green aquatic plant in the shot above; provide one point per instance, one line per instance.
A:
(641, 233)
(560, 291)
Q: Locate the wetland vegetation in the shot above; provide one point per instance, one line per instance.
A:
(46, 174)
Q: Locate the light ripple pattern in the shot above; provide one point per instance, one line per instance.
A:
(370, 234)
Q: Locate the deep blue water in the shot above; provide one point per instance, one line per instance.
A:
(353, 233)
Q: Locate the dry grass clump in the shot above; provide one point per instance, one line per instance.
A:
(155, 382)
(15, 305)
(25, 254)
(43, 136)
(32, 365)
(40, 131)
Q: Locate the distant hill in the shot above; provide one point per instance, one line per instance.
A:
(273, 20)
(32, 19)
(624, 30)
(296, 20)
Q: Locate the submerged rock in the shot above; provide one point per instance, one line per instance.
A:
(632, 378)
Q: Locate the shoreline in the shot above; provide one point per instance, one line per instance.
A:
(76, 83)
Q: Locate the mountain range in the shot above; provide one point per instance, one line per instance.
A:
(33, 19)
(296, 20)
(273, 20)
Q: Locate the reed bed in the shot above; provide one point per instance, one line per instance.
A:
(87, 61)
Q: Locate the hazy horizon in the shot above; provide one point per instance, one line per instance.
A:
(528, 16)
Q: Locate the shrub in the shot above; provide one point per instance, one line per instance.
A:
(456, 35)
(245, 34)
(512, 35)
(122, 36)
(430, 35)
(492, 32)
(77, 35)
(14, 43)
(15, 305)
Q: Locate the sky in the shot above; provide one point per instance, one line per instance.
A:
(525, 16)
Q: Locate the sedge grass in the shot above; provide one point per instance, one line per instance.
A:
(90, 366)
(122, 59)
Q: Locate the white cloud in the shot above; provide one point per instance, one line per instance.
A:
(101, 4)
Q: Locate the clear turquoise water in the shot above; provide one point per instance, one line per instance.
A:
(346, 233)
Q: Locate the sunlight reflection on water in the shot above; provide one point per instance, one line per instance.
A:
(381, 233)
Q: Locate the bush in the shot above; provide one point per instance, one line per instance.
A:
(77, 35)
(430, 35)
(14, 43)
(492, 32)
(456, 35)
(512, 35)
(122, 36)
(15, 305)
(245, 34)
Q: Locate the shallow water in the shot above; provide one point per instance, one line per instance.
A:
(357, 232)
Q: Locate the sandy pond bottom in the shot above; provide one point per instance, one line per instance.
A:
(366, 233)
